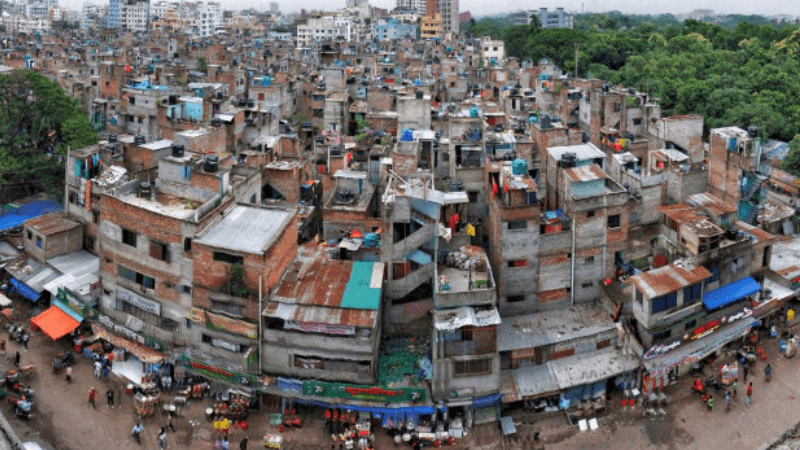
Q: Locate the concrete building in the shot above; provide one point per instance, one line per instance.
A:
(449, 12)
(554, 19)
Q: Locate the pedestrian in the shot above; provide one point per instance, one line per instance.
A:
(768, 372)
(92, 395)
(243, 444)
(749, 394)
(169, 423)
(110, 398)
(98, 366)
(69, 374)
(168, 382)
(710, 403)
(105, 373)
(2, 346)
(727, 400)
(162, 438)
(735, 389)
(17, 357)
(25, 341)
(225, 444)
(745, 369)
(137, 430)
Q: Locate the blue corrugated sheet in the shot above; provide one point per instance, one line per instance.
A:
(24, 290)
(14, 218)
(731, 292)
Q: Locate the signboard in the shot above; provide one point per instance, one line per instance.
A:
(363, 393)
(231, 347)
(746, 312)
(291, 385)
(221, 323)
(705, 330)
(244, 379)
(795, 283)
(71, 301)
(522, 353)
(139, 302)
(462, 393)
(126, 332)
(312, 327)
(661, 349)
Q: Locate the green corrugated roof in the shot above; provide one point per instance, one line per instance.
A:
(357, 293)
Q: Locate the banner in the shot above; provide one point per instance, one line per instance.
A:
(312, 327)
(363, 393)
(203, 368)
(221, 323)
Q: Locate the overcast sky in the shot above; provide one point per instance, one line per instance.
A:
(486, 7)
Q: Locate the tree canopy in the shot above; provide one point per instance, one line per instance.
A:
(38, 121)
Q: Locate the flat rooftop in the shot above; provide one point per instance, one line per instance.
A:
(582, 151)
(168, 205)
(549, 327)
(248, 229)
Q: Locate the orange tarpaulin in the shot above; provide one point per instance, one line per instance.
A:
(55, 322)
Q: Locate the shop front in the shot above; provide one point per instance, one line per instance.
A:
(57, 321)
(131, 360)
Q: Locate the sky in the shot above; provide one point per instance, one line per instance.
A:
(486, 7)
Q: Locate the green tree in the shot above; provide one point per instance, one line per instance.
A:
(791, 163)
(38, 121)
(202, 65)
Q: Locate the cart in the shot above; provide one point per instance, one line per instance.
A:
(144, 405)
(273, 441)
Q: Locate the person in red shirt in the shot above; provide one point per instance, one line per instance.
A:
(92, 395)
(749, 394)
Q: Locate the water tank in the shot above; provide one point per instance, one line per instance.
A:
(568, 159)
(139, 140)
(112, 138)
(544, 124)
(519, 167)
(173, 99)
(251, 103)
(242, 101)
(144, 188)
(419, 95)
(219, 95)
(211, 163)
(456, 185)
(752, 132)
(216, 122)
(605, 88)
(177, 150)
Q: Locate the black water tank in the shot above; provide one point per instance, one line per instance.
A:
(419, 95)
(173, 99)
(178, 150)
(251, 103)
(219, 95)
(112, 138)
(139, 140)
(144, 188)
(568, 159)
(211, 163)
(216, 122)
(242, 101)
(456, 185)
(752, 132)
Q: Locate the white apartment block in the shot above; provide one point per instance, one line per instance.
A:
(22, 24)
(322, 28)
(449, 11)
(209, 17)
(134, 17)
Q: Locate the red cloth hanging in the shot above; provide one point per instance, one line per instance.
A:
(453, 221)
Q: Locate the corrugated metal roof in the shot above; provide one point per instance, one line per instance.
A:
(582, 151)
(248, 229)
(586, 173)
(591, 367)
(529, 382)
(359, 318)
(711, 202)
(548, 327)
(670, 278)
(729, 293)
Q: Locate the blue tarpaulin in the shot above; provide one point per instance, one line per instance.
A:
(24, 290)
(486, 401)
(731, 292)
(16, 217)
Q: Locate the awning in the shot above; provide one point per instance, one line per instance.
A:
(731, 292)
(55, 322)
(24, 290)
(453, 319)
(225, 117)
(419, 257)
(145, 354)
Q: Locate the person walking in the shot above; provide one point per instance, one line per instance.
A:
(98, 366)
(17, 358)
(25, 339)
(69, 374)
(710, 403)
(745, 369)
(735, 389)
(243, 444)
(749, 399)
(727, 400)
(137, 430)
(768, 372)
(92, 395)
(110, 398)
(162, 438)
(225, 444)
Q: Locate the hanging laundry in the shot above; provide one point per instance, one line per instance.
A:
(453, 221)
(470, 229)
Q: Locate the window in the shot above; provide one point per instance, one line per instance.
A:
(187, 244)
(128, 237)
(590, 214)
(472, 195)
(614, 221)
(30, 235)
(158, 251)
(588, 260)
(131, 100)
(637, 121)
(88, 243)
(515, 298)
(664, 303)
(228, 258)
(658, 335)
(136, 277)
(714, 274)
(639, 297)
(39, 241)
(186, 289)
(517, 225)
(472, 367)
(690, 324)
(691, 293)
(518, 263)
(95, 217)
(587, 285)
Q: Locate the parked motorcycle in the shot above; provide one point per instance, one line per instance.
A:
(23, 407)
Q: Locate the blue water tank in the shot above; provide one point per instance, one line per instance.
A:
(519, 167)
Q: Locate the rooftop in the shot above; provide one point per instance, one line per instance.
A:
(670, 278)
(586, 173)
(711, 203)
(248, 229)
(582, 151)
(550, 327)
(52, 223)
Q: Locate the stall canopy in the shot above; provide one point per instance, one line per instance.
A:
(731, 292)
(57, 321)
(145, 354)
